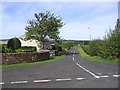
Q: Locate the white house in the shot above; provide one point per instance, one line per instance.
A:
(35, 43)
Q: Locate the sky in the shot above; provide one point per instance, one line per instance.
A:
(99, 16)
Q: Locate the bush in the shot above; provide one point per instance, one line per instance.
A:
(66, 45)
(14, 43)
(54, 47)
(107, 48)
(59, 48)
(94, 47)
(85, 48)
(27, 49)
(5, 49)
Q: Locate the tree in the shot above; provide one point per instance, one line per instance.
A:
(44, 26)
(110, 46)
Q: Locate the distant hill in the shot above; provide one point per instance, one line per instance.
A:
(3, 41)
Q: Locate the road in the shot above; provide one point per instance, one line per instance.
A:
(71, 72)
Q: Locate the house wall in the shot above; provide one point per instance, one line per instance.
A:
(36, 44)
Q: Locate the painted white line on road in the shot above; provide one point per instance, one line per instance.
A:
(41, 81)
(104, 76)
(68, 79)
(2, 83)
(80, 78)
(73, 59)
(18, 82)
(73, 55)
(116, 75)
(88, 71)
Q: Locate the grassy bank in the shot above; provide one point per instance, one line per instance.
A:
(55, 58)
(95, 58)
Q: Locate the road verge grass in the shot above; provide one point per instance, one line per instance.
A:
(52, 59)
(95, 58)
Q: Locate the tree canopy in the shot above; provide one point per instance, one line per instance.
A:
(45, 25)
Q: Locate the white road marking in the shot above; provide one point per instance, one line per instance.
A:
(116, 75)
(41, 81)
(18, 82)
(88, 71)
(80, 78)
(2, 83)
(104, 76)
(73, 59)
(67, 79)
(73, 55)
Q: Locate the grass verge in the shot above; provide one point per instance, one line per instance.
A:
(95, 58)
(54, 58)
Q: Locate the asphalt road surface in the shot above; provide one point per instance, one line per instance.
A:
(70, 72)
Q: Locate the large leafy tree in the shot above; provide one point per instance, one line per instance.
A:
(45, 25)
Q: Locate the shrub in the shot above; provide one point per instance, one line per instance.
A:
(85, 48)
(14, 43)
(94, 47)
(107, 48)
(59, 48)
(54, 47)
(27, 49)
(5, 49)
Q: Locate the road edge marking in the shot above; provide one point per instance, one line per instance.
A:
(18, 82)
(104, 76)
(80, 78)
(38, 81)
(2, 83)
(88, 71)
(67, 79)
(116, 75)
(73, 59)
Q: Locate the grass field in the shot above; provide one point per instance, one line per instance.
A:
(54, 58)
(95, 58)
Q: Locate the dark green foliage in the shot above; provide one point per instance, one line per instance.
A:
(44, 26)
(85, 48)
(66, 45)
(5, 49)
(94, 47)
(14, 43)
(59, 48)
(109, 47)
(55, 47)
(27, 49)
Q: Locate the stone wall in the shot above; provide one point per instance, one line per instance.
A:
(14, 58)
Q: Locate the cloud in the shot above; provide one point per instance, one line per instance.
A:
(98, 26)
(60, 0)
(77, 16)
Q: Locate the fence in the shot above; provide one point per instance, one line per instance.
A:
(14, 58)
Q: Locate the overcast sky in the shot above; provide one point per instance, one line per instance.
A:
(77, 16)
